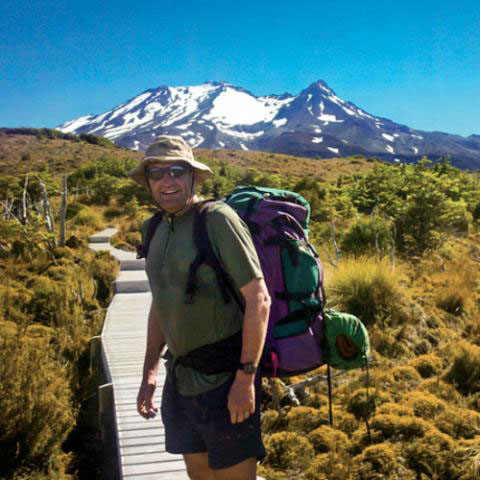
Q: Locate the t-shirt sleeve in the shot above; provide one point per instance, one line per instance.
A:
(233, 245)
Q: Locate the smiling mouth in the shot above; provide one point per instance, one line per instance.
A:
(170, 192)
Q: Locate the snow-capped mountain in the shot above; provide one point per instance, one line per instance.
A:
(315, 123)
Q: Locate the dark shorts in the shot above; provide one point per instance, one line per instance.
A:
(201, 423)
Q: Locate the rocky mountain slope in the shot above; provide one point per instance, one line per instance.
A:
(314, 123)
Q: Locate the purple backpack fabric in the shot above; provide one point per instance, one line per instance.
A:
(278, 222)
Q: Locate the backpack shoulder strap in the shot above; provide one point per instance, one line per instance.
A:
(206, 254)
(142, 249)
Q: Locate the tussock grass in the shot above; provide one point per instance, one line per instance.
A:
(464, 372)
(369, 289)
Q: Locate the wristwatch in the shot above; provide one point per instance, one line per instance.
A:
(248, 368)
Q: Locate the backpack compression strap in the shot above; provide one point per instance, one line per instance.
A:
(207, 255)
(142, 249)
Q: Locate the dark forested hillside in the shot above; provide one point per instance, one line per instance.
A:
(401, 249)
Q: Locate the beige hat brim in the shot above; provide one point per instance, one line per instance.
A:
(202, 171)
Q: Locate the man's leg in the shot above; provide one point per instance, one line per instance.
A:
(197, 466)
(246, 470)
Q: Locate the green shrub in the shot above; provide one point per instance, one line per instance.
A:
(367, 235)
(368, 289)
(465, 370)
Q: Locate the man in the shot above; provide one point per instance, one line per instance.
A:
(212, 419)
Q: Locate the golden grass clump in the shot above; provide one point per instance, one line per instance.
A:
(329, 466)
(272, 421)
(304, 419)
(288, 452)
(404, 377)
(431, 456)
(456, 288)
(36, 412)
(428, 365)
(464, 372)
(459, 422)
(425, 405)
(467, 454)
(327, 439)
(369, 289)
(379, 462)
(389, 426)
(89, 217)
(362, 403)
(395, 409)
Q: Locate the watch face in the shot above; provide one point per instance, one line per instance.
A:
(249, 368)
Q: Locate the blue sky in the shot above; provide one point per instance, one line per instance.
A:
(414, 62)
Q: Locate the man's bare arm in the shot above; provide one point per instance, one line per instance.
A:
(155, 345)
(241, 399)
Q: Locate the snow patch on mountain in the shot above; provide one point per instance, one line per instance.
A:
(390, 138)
(280, 122)
(233, 107)
(73, 125)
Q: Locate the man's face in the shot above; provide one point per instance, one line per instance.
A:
(171, 192)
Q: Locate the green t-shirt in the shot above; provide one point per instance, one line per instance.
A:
(208, 319)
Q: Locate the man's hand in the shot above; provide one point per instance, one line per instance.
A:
(241, 398)
(145, 405)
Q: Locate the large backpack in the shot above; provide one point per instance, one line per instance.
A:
(296, 340)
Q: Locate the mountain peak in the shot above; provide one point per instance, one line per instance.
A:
(319, 86)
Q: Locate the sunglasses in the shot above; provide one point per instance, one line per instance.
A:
(173, 171)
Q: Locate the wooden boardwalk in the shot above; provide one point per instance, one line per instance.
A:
(140, 442)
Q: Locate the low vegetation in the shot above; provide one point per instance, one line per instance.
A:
(400, 246)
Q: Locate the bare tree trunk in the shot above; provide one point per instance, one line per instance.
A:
(7, 208)
(24, 218)
(47, 214)
(392, 249)
(335, 246)
(63, 212)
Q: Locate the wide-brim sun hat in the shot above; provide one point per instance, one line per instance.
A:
(169, 149)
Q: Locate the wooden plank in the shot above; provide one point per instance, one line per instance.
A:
(163, 468)
(167, 475)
